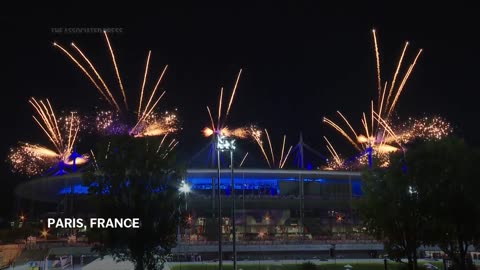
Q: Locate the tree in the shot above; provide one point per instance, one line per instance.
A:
(429, 196)
(447, 173)
(391, 210)
(135, 178)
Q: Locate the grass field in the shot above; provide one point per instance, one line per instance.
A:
(319, 266)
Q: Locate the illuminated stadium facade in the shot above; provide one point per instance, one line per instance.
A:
(273, 204)
(270, 204)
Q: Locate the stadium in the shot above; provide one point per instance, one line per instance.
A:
(276, 211)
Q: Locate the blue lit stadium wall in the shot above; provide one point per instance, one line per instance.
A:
(268, 182)
(250, 181)
(251, 184)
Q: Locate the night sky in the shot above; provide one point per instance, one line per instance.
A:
(300, 63)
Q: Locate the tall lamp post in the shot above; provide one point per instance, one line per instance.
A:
(225, 144)
(185, 189)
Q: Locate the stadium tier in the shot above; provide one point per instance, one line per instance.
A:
(270, 205)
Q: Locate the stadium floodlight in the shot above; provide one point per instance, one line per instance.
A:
(185, 189)
(225, 144)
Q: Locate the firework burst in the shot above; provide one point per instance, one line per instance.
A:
(378, 134)
(269, 156)
(32, 159)
(118, 121)
(428, 128)
(219, 126)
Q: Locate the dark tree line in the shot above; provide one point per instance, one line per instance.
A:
(428, 196)
(135, 178)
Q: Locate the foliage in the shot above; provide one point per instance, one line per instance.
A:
(299, 266)
(447, 172)
(16, 233)
(391, 210)
(134, 178)
(427, 196)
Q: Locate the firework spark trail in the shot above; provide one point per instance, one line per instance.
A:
(70, 132)
(233, 94)
(143, 86)
(107, 90)
(84, 71)
(383, 99)
(220, 106)
(173, 146)
(283, 148)
(119, 78)
(378, 132)
(270, 144)
(145, 113)
(333, 152)
(384, 142)
(220, 127)
(54, 120)
(148, 113)
(377, 57)
(386, 127)
(257, 136)
(108, 150)
(156, 87)
(47, 131)
(260, 144)
(372, 118)
(49, 125)
(171, 143)
(170, 147)
(166, 149)
(339, 129)
(365, 125)
(402, 85)
(396, 73)
(391, 104)
(211, 119)
(348, 123)
(243, 159)
(94, 159)
(73, 132)
(283, 158)
(32, 159)
(286, 157)
(161, 142)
